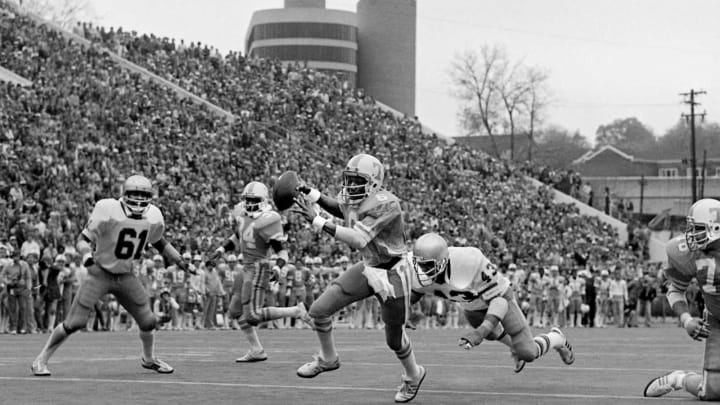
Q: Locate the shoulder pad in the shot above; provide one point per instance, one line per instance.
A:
(107, 207)
(677, 247)
(154, 215)
(266, 219)
(379, 204)
(237, 210)
(464, 264)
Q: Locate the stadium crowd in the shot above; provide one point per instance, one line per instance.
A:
(85, 123)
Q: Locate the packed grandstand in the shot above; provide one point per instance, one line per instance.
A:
(87, 121)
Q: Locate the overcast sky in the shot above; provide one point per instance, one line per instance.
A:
(607, 59)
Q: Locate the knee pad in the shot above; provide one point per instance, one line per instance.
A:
(147, 323)
(394, 337)
(497, 333)
(76, 318)
(323, 307)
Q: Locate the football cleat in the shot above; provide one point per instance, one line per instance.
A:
(304, 315)
(519, 363)
(409, 388)
(157, 365)
(664, 384)
(317, 366)
(565, 350)
(252, 357)
(39, 369)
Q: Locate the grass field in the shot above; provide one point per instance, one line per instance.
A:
(612, 367)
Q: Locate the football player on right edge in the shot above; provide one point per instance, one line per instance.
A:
(465, 275)
(695, 255)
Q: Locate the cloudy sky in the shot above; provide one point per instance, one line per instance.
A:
(607, 59)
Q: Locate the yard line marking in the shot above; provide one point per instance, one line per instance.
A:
(332, 388)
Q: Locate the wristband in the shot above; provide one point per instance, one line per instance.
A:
(685, 318)
(318, 223)
(314, 195)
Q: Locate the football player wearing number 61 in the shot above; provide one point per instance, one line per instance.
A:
(695, 255)
(119, 229)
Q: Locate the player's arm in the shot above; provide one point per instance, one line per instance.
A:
(678, 284)
(168, 251)
(362, 232)
(497, 309)
(229, 245)
(329, 204)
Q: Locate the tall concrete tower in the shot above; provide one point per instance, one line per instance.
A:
(386, 51)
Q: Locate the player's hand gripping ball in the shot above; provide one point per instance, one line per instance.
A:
(285, 190)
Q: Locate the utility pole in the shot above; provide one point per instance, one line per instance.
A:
(691, 119)
(643, 182)
(702, 174)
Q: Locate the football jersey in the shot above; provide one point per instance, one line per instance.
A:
(255, 232)
(379, 219)
(120, 239)
(470, 279)
(683, 265)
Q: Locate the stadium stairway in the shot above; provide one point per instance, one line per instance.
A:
(12, 77)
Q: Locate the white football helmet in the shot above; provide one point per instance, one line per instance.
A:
(137, 194)
(430, 258)
(363, 176)
(703, 224)
(254, 198)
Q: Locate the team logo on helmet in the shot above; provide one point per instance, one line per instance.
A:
(254, 198)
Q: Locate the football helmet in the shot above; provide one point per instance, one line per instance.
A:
(430, 258)
(254, 198)
(363, 175)
(703, 224)
(137, 194)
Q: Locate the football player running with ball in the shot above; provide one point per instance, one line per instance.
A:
(119, 229)
(373, 224)
(465, 275)
(259, 230)
(696, 255)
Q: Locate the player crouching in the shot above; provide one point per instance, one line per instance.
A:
(119, 230)
(465, 275)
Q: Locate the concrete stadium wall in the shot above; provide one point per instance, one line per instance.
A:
(660, 192)
(587, 210)
(12, 77)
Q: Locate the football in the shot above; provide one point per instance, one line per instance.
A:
(285, 190)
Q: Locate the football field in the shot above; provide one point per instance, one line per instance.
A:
(612, 367)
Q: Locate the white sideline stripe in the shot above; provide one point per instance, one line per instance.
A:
(326, 388)
(373, 364)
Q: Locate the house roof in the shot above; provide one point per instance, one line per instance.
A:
(646, 156)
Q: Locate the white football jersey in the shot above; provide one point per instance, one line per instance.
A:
(120, 239)
(470, 279)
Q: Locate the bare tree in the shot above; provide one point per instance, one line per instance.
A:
(538, 98)
(65, 13)
(475, 78)
(513, 92)
(498, 95)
